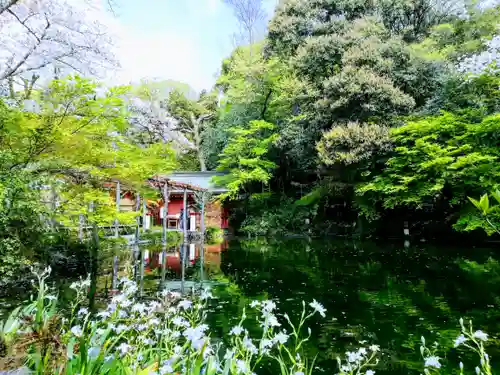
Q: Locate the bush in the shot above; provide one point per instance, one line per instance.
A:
(214, 235)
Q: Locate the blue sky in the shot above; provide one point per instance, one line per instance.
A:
(184, 40)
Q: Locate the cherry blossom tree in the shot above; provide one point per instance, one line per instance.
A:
(50, 38)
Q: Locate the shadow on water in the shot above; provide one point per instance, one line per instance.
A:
(382, 294)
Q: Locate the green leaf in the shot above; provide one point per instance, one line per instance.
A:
(484, 204)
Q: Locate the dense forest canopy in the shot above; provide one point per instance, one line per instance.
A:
(384, 112)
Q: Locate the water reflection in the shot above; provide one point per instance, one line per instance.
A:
(180, 268)
(386, 294)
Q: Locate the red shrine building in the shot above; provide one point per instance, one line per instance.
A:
(216, 213)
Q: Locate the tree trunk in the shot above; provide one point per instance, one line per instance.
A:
(197, 142)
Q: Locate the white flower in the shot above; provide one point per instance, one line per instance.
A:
(273, 322)
(139, 308)
(141, 327)
(77, 331)
(166, 369)
(205, 294)
(148, 341)
(370, 372)
(265, 345)
(83, 311)
(172, 310)
(229, 354)
(104, 314)
(460, 340)
(353, 357)
(122, 314)
(318, 307)
(432, 361)
(374, 348)
(236, 330)
(126, 303)
(180, 322)
(140, 357)
(153, 305)
(109, 358)
(93, 352)
(241, 366)
(281, 338)
(362, 351)
(165, 293)
(249, 346)
(268, 306)
(176, 334)
(124, 348)
(185, 304)
(478, 371)
(481, 335)
(177, 349)
(298, 373)
(254, 304)
(175, 295)
(121, 328)
(154, 322)
(461, 365)
(196, 336)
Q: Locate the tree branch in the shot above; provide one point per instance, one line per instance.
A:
(8, 5)
(10, 72)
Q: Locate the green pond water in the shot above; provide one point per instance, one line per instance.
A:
(384, 294)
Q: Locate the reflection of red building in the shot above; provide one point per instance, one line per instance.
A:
(154, 260)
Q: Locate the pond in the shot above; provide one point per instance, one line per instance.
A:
(384, 294)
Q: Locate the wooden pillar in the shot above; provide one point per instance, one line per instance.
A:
(118, 202)
(165, 213)
(137, 219)
(202, 215)
(202, 244)
(184, 246)
(144, 213)
(184, 218)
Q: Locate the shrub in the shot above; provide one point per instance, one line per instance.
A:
(214, 235)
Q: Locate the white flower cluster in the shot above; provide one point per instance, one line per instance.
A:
(356, 360)
(484, 62)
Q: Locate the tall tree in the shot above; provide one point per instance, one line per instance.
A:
(191, 118)
(251, 16)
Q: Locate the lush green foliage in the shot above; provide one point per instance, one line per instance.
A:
(56, 159)
(375, 113)
(246, 157)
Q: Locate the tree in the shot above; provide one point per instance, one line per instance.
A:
(436, 164)
(245, 158)
(191, 118)
(6, 5)
(48, 38)
(250, 15)
(79, 138)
